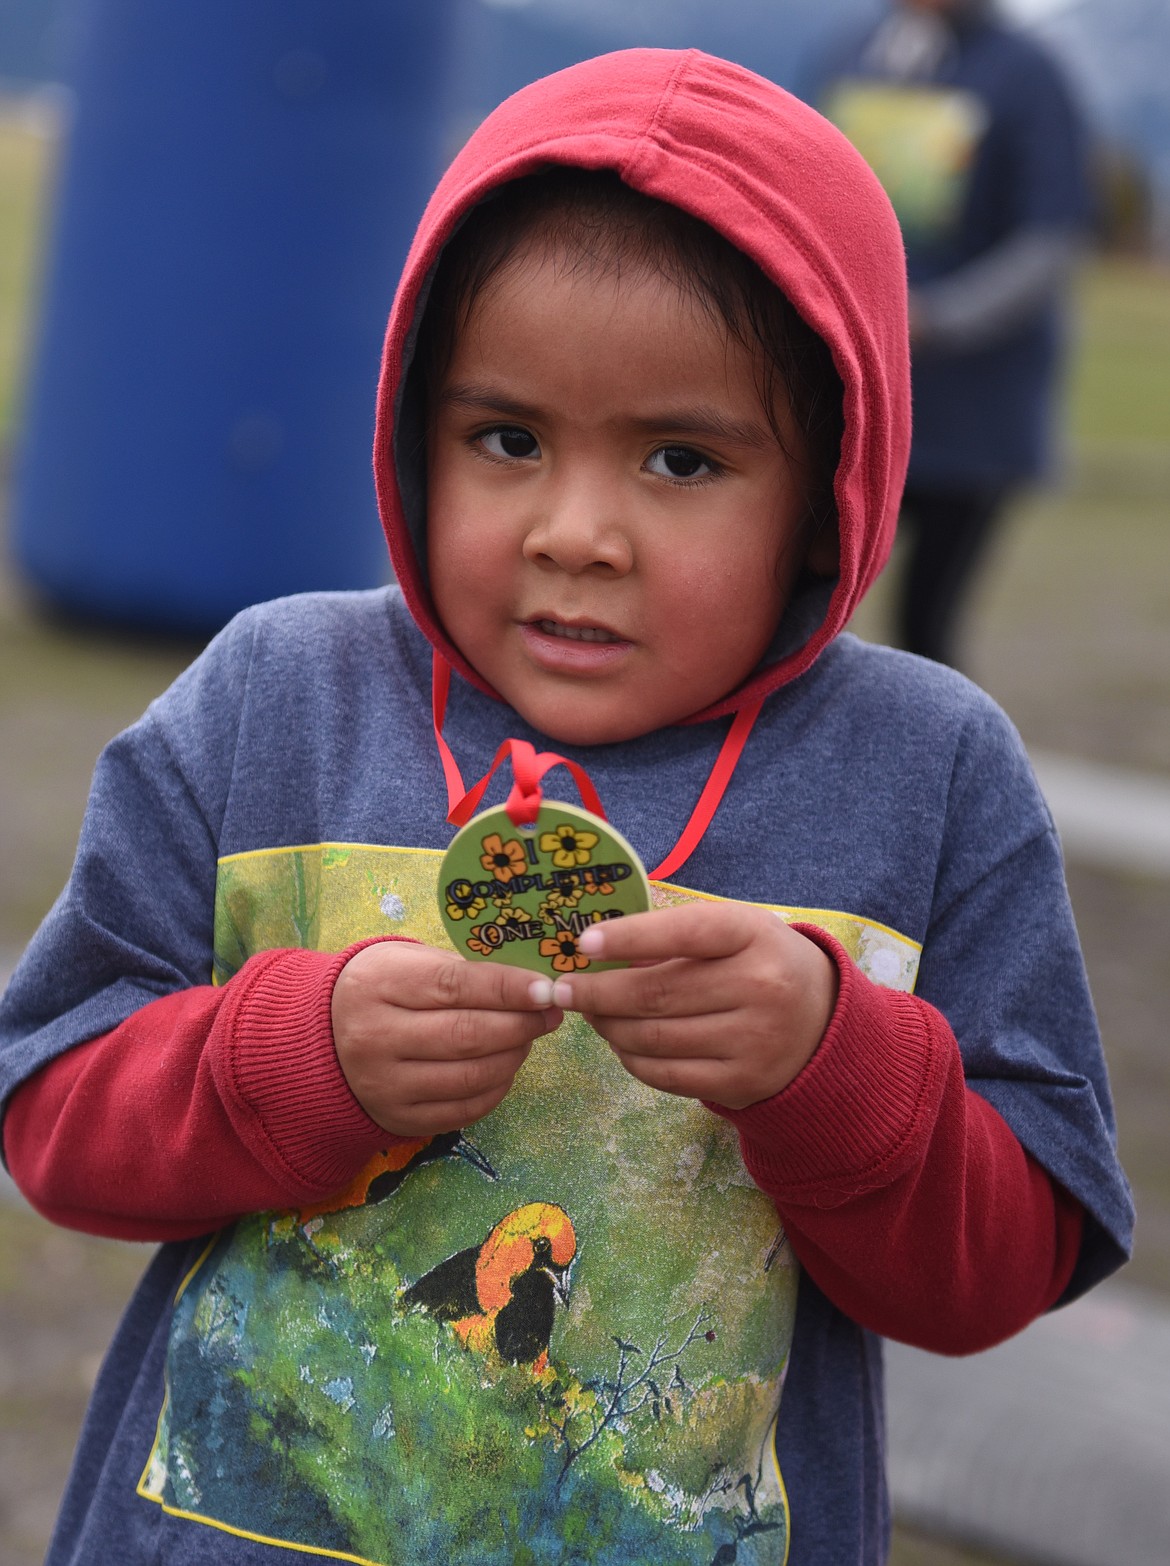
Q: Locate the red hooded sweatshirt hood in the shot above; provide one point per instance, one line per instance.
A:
(774, 178)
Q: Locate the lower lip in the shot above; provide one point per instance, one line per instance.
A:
(563, 655)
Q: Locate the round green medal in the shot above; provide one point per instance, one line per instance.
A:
(522, 895)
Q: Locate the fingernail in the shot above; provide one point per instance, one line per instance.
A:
(562, 994)
(591, 941)
(540, 992)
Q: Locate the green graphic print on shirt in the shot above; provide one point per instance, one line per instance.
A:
(561, 1335)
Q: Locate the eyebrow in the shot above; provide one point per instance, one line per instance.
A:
(484, 399)
(709, 422)
(697, 420)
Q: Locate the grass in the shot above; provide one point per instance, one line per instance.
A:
(911, 1548)
(1118, 393)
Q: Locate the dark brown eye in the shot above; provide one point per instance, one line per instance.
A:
(678, 462)
(510, 441)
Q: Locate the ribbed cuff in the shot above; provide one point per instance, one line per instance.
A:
(285, 1087)
(856, 1114)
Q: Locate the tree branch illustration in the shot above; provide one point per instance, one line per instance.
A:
(638, 1382)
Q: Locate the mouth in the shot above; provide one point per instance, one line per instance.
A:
(576, 633)
(579, 649)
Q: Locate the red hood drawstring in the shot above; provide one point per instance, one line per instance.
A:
(529, 766)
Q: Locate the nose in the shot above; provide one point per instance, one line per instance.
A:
(580, 528)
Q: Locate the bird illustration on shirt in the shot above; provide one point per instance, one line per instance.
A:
(386, 1171)
(499, 1297)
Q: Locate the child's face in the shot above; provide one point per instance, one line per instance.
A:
(613, 527)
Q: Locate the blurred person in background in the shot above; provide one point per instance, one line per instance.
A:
(974, 133)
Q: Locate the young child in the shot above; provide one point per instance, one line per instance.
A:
(472, 1266)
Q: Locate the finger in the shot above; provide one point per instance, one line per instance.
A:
(471, 1035)
(692, 930)
(687, 1038)
(699, 1078)
(409, 1099)
(456, 1081)
(431, 1118)
(454, 983)
(683, 988)
(424, 978)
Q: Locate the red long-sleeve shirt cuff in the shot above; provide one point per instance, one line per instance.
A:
(280, 1079)
(852, 1119)
(201, 1106)
(905, 1195)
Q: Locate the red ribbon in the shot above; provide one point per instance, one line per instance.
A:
(713, 792)
(530, 765)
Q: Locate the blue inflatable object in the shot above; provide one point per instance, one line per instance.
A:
(239, 187)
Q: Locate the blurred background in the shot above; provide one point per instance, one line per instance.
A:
(202, 217)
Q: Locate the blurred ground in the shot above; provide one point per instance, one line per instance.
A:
(1071, 634)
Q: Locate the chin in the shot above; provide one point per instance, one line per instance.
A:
(570, 724)
(586, 734)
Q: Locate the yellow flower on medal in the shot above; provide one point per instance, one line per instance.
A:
(503, 860)
(557, 900)
(458, 911)
(568, 845)
(516, 920)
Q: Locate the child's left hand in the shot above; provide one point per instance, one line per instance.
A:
(725, 1003)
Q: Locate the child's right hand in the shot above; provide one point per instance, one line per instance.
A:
(428, 1041)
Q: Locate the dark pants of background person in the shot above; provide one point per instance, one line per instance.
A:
(946, 532)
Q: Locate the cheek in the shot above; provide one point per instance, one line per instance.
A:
(473, 576)
(457, 531)
(467, 519)
(453, 505)
(736, 593)
(451, 566)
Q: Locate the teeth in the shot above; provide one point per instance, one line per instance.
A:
(577, 633)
